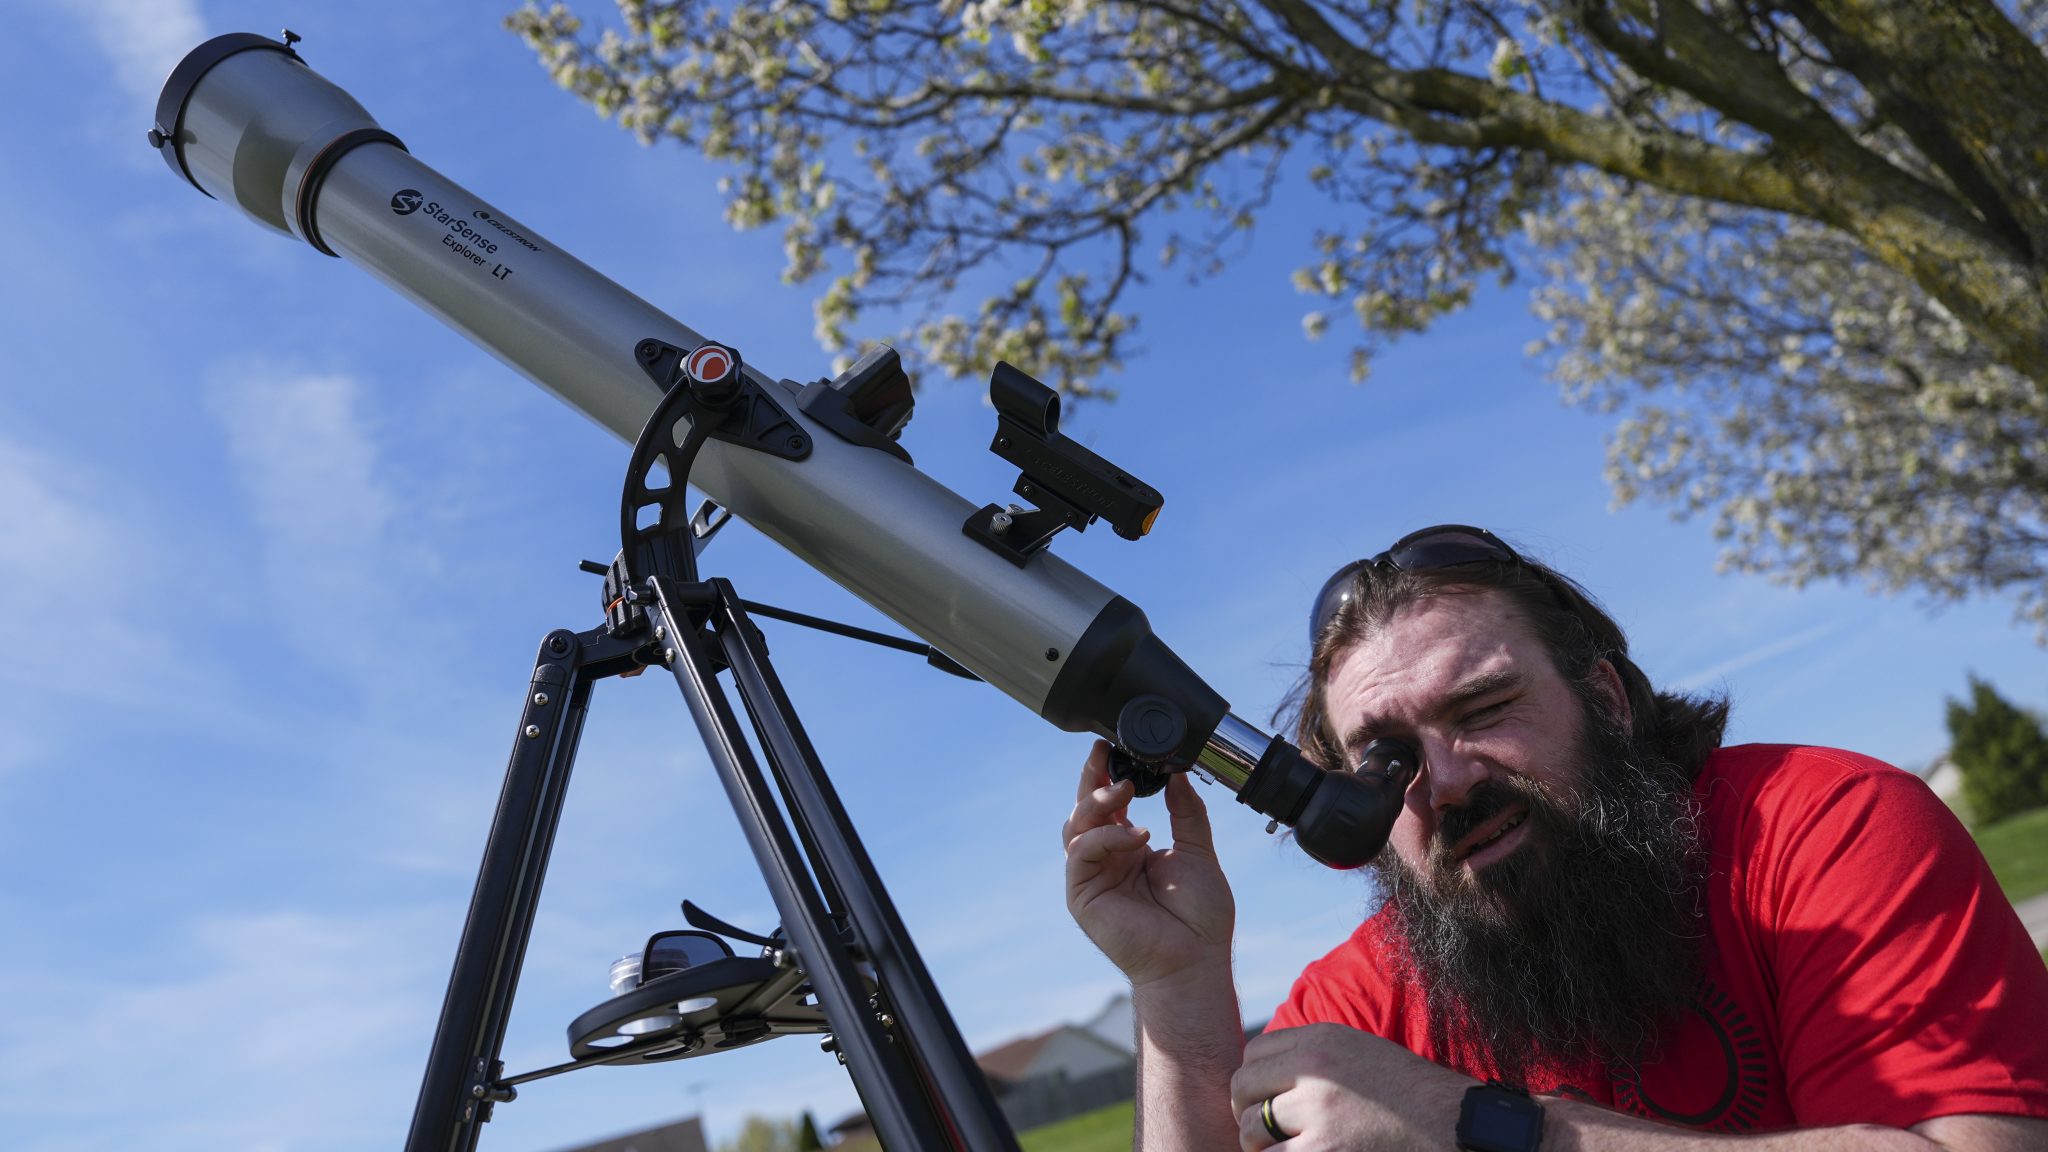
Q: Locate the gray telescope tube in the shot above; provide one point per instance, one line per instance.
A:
(247, 122)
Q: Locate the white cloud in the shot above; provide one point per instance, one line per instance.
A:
(62, 559)
(305, 457)
(284, 1029)
(309, 469)
(1720, 670)
(144, 39)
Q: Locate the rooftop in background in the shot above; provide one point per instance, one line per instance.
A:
(685, 1135)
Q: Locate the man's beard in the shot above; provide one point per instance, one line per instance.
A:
(1584, 940)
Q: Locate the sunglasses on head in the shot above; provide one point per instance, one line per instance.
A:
(1441, 546)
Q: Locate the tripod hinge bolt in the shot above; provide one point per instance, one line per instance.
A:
(668, 655)
(494, 1093)
(532, 730)
(661, 631)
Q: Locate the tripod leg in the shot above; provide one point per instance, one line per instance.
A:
(454, 1096)
(887, 1082)
(962, 1092)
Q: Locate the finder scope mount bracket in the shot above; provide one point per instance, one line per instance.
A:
(868, 404)
(1071, 486)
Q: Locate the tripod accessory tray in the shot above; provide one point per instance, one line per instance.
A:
(722, 1015)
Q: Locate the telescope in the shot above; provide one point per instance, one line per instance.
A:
(816, 467)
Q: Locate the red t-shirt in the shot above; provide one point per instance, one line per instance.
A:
(1864, 966)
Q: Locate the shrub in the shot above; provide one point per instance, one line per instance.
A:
(2001, 752)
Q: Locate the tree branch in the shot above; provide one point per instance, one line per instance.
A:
(1995, 106)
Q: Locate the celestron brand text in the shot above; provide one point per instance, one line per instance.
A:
(515, 237)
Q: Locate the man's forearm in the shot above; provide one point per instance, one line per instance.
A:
(1572, 1126)
(1189, 1041)
(1342, 1088)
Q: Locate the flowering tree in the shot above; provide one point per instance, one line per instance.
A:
(1799, 246)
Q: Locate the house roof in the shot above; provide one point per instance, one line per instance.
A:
(685, 1135)
(1012, 1060)
(855, 1121)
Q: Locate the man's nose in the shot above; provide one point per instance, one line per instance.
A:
(1449, 775)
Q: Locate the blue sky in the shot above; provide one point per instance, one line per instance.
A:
(276, 550)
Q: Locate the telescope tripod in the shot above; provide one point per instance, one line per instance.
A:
(844, 949)
(842, 962)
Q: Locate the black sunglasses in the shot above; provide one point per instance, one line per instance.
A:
(1441, 546)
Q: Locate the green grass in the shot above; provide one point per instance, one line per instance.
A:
(2017, 848)
(1103, 1130)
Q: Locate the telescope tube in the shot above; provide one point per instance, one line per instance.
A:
(244, 120)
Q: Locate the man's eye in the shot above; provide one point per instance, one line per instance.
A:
(1389, 757)
(1486, 715)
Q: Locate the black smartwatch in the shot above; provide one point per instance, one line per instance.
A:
(1497, 1118)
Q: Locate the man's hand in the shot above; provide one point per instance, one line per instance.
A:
(1155, 913)
(1334, 1087)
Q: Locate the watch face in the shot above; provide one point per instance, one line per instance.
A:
(1501, 1124)
(1498, 1120)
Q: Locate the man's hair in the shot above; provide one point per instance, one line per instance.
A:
(1565, 619)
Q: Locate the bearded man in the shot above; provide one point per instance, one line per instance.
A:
(1600, 928)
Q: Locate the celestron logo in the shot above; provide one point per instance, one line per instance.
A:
(515, 237)
(406, 201)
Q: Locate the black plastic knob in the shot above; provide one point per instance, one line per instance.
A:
(1151, 727)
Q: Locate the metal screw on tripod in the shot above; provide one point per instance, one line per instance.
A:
(668, 654)
(532, 730)
(476, 1090)
(661, 631)
(540, 698)
(1000, 523)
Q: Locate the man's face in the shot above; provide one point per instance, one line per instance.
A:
(1542, 871)
(1461, 678)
